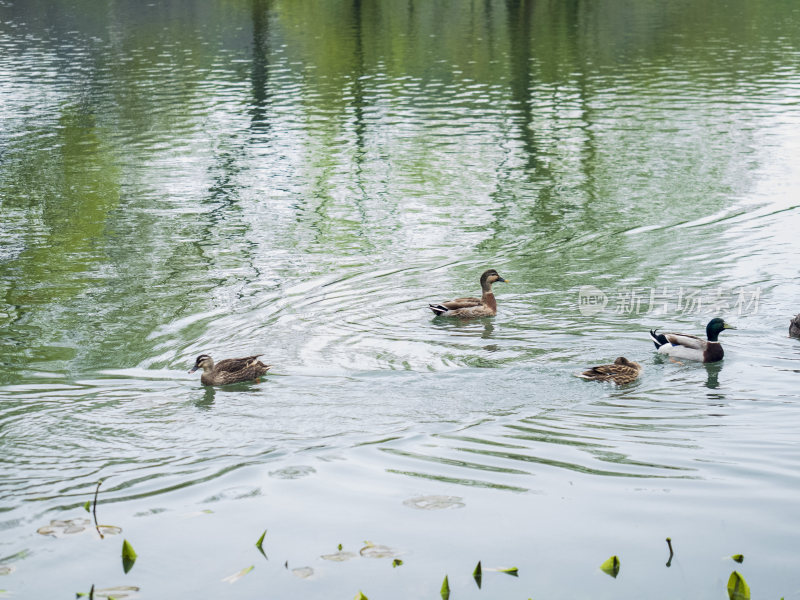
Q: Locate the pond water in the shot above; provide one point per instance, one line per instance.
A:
(300, 179)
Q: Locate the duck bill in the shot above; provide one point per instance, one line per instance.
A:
(501, 280)
(193, 369)
(727, 326)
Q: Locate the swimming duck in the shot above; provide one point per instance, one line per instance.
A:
(794, 326)
(679, 345)
(230, 370)
(468, 308)
(621, 372)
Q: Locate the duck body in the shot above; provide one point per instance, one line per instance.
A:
(229, 370)
(691, 347)
(622, 371)
(794, 327)
(470, 308)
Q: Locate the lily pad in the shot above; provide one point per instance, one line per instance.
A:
(109, 529)
(739, 558)
(445, 591)
(360, 596)
(237, 576)
(397, 563)
(738, 588)
(377, 551)
(58, 527)
(339, 556)
(434, 502)
(120, 591)
(611, 566)
(303, 572)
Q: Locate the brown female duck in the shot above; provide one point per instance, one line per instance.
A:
(230, 370)
(469, 308)
(621, 372)
(794, 326)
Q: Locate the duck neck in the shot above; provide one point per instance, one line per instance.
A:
(487, 297)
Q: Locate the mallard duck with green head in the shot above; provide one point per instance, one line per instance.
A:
(690, 347)
(469, 308)
(622, 371)
(229, 370)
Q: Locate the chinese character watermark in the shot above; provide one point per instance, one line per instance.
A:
(685, 301)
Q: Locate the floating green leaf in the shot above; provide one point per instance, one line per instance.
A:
(738, 588)
(87, 506)
(739, 558)
(340, 549)
(260, 543)
(445, 589)
(128, 556)
(360, 596)
(477, 574)
(396, 562)
(237, 576)
(611, 566)
(508, 570)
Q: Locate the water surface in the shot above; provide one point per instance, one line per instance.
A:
(299, 179)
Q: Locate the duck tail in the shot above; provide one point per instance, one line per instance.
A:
(438, 309)
(659, 339)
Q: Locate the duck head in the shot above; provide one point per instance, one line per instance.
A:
(715, 327)
(205, 362)
(489, 277)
